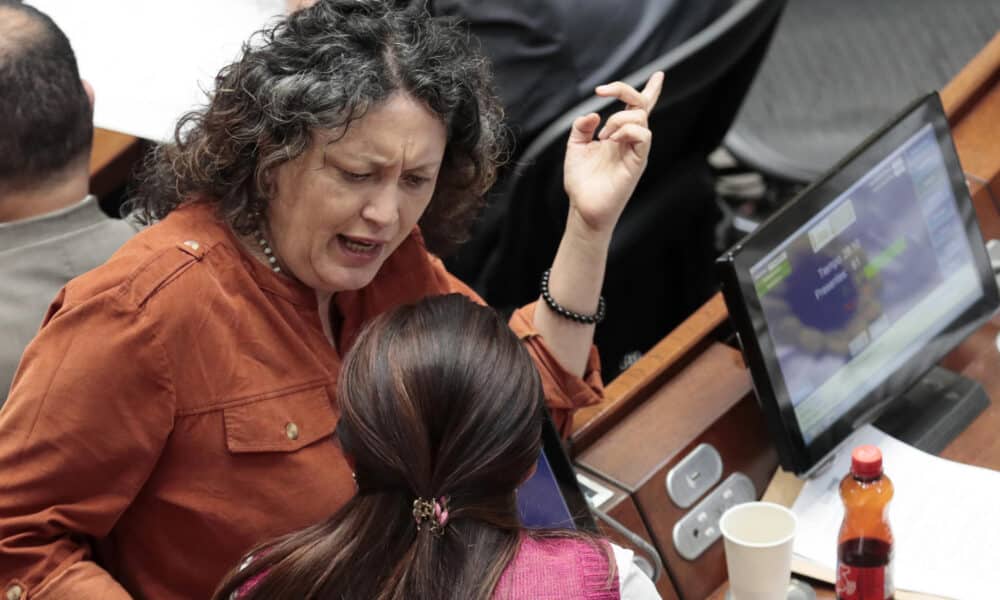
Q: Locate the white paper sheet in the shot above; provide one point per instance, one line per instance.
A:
(150, 60)
(945, 518)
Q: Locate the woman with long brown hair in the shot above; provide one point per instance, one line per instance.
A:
(441, 419)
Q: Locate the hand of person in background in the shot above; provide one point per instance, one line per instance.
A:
(601, 173)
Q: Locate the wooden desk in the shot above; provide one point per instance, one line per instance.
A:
(112, 159)
(608, 437)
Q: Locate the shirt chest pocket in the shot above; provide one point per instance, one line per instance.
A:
(280, 423)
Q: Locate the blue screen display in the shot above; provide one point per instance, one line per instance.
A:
(540, 501)
(851, 295)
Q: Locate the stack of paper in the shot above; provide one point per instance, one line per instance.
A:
(945, 518)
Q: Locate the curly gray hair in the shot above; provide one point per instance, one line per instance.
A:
(322, 68)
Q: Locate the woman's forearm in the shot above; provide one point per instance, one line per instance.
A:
(574, 283)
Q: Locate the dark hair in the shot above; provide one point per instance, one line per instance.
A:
(321, 68)
(437, 399)
(46, 116)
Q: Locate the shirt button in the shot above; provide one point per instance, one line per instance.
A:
(292, 431)
(15, 592)
(192, 244)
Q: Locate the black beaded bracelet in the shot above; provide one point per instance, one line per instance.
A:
(567, 313)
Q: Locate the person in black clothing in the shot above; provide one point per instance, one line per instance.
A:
(548, 55)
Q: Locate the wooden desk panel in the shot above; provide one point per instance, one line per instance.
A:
(979, 444)
(621, 507)
(709, 401)
(112, 160)
(634, 385)
(972, 101)
(656, 432)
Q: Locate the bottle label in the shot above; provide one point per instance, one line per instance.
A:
(864, 583)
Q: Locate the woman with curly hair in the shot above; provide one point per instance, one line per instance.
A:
(441, 420)
(178, 404)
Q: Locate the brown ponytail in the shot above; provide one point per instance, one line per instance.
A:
(437, 399)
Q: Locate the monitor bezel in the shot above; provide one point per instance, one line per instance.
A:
(746, 313)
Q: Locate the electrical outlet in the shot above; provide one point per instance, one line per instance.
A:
(694, 475)
(699, 528)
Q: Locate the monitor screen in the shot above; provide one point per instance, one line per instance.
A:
(860, 284)
(552, 497)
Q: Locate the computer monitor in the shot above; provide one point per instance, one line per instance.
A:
(552, 497)
(849, 294)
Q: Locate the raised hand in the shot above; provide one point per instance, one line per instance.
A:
(601, 173)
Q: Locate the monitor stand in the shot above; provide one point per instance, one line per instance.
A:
(932, 413)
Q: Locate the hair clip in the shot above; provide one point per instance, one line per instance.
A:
(433, 511)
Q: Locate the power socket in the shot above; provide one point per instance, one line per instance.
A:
(699, 528)
(694, 475)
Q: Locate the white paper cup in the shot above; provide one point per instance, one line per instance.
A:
(758, 541)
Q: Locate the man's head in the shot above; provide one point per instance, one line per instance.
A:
(46, 114)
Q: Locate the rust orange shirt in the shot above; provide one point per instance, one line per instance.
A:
(178, 407)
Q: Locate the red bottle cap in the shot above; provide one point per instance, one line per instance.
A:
(866, 462)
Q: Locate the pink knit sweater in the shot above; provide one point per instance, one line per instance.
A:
(546, 569)
(558, 569)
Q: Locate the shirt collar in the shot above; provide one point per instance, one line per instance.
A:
(33, 230)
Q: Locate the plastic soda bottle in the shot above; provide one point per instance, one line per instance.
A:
(864, 547)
